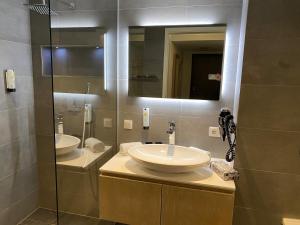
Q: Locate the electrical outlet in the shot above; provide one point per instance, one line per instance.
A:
(128, 124)
(214, 132)
(107, 122)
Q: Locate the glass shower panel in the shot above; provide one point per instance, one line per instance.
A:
(84, 60)
(43, 99)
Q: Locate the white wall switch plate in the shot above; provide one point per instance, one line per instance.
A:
(128, 124)
(107, 122)
(214, 132)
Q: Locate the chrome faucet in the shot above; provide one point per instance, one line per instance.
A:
(171, 132)
(60, 123)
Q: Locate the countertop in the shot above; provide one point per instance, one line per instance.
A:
(124, 166)
(81, 158)
(287, 221)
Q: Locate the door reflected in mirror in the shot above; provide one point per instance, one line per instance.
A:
(176, 62)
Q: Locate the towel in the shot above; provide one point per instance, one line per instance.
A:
(94, 145)
(125, 146)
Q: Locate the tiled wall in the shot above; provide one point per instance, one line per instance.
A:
(269, 126)
(193, 118)
(18, 161)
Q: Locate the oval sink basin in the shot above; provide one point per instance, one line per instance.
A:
(177, 160)
(66, 144)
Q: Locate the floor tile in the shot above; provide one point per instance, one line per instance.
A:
(48, 217)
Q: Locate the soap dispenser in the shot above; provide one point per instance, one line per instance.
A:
(146, 118)
(10, 80)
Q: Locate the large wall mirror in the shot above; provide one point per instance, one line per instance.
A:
(182, 62)
(78, 60)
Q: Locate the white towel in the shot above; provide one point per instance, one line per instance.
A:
(125, 146)
(94, 145)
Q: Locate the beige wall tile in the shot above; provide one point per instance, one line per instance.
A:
(290, 16)
(193, 131)
(16, 213)
(17, 155)
(276, 193)
(245, 216)
(17, 187)
(270, 107)
(268, 150)
(44, 120)
(46, 149)
(18, 173)
(268, 144)
(47, 179)
(271, 62)
(264, 23)
(47, 199)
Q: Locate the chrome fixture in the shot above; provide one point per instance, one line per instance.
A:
(40, 7)
(59, 121)
(171, 132)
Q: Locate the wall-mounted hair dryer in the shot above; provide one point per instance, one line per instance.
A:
(228, 130)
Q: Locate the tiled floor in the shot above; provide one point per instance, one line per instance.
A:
(47, 217)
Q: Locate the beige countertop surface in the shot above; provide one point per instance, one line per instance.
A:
(81, 158)
(287, 221)
(124, 166)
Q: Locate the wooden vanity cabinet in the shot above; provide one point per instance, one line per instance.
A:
(136, 202)
(186, 206)
(129, 201)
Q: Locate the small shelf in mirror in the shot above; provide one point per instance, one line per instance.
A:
(76, 60)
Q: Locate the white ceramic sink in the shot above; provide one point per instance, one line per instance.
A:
(161, 158)
(66, 144)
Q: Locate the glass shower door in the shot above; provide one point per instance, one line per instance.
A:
(83, 55)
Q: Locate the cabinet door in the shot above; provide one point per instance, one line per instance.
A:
(129, 201)
(184, 206)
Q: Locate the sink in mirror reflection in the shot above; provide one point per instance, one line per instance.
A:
(65, 144)
(169, 158)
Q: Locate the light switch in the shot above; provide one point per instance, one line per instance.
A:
(107, 122)
(128, 124)
(214, 132)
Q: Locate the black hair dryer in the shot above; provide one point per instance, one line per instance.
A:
(228, 131)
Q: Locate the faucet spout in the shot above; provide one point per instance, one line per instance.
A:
(60, 123)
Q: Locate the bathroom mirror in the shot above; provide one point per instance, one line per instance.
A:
(182, 62)
(78, 57)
